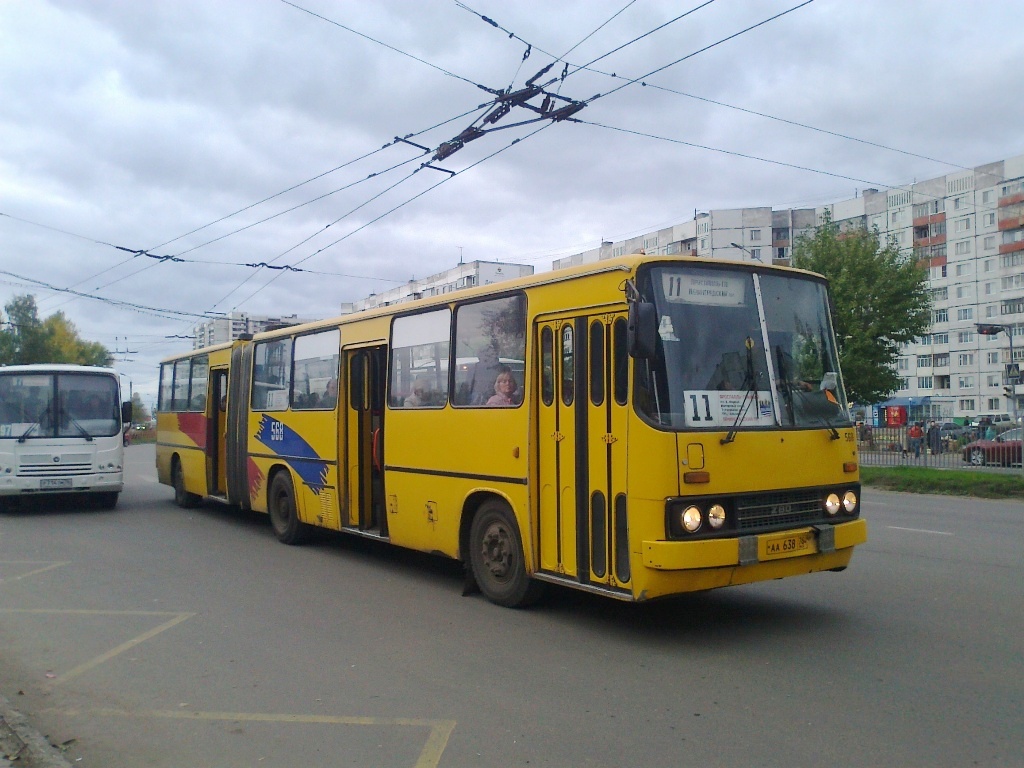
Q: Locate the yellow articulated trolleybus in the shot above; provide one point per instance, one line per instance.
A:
(640, 427)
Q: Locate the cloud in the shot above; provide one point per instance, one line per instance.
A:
(133, 124)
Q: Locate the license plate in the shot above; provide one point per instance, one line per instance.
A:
(785, 545)
(51, 483)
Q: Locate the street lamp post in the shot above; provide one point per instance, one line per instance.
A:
(746, 251)
(989, 329)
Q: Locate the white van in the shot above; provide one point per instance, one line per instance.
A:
(996, 419)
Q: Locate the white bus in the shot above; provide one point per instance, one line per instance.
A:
(61, 432)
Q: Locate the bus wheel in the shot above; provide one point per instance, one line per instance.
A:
(284, 514)
(182, 498)
(107, 500)
(496, 557)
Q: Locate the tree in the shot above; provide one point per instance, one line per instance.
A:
(140, 414)
(27, 339)
(880, 302)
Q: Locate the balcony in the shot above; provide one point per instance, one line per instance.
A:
(924, 221)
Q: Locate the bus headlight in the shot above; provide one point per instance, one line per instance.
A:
(832, 504)
(691, 519)
(716, 516)
(850, 502)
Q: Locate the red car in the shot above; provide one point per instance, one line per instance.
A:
(1003, 449)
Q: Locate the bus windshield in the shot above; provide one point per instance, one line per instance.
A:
(739, 349)
(49, 405)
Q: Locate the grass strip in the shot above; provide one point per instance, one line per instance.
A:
(986, 485)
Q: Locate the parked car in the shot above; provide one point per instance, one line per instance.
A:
(950, 430)
(1002, 450)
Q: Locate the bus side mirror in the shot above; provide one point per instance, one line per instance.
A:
(642, 330)
(126, 412)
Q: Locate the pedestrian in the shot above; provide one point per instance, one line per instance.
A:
(916, 435)
(935, 439)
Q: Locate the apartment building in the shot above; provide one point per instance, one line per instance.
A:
(234, 324)
(457, 278)
(967, 226)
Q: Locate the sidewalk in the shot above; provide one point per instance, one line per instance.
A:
(21, 746)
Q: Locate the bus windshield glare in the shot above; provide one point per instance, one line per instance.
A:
(739, 349)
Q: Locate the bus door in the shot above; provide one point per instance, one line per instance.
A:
(582, 448)
(364, 438)
(218, 424)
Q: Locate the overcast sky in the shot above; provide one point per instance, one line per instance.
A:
(132, 125)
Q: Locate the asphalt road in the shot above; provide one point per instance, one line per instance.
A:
(155, 636)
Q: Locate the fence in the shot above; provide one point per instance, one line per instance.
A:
(892, 447)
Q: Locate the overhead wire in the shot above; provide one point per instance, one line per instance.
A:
(782, 163)
(797, 124)
(388, 46)
(318, 232)
(406, 202)
(397, 140)
(165, 314)
(616, 76)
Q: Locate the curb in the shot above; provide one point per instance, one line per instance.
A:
(21, 745)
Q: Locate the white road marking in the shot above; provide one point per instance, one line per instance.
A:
(920, 530)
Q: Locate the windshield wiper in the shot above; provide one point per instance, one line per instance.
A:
(784, 384)
(833, 433)
(74, 422)
(749, 396)
(36, 423)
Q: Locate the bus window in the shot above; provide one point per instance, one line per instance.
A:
(271, 375)
(316, 366)
(419, 360)
(568, 364)
(490, 339)
(200, 383)
(620, 362)
(597, 362)
(547, 366)
(166, 379)
(179, 396)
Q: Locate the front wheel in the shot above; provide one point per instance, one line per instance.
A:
(497, 560)
(107, 500)
(977, 457)
(284, 513)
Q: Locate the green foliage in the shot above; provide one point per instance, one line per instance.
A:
(880, 302)
(140, 413)
(26, 339)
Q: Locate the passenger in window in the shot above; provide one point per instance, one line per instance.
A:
(330, 398)
(484, 373)
(421, 393)
(505, 389)
(94, 408)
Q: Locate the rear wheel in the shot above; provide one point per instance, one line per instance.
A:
(182, 498)
(497, 560)
(284, 514)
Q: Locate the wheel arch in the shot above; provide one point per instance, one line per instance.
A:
(276, 469)
(471, 506)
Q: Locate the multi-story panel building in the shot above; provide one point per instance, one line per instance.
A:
(463, 276)
(967, 227)
(234, 324)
